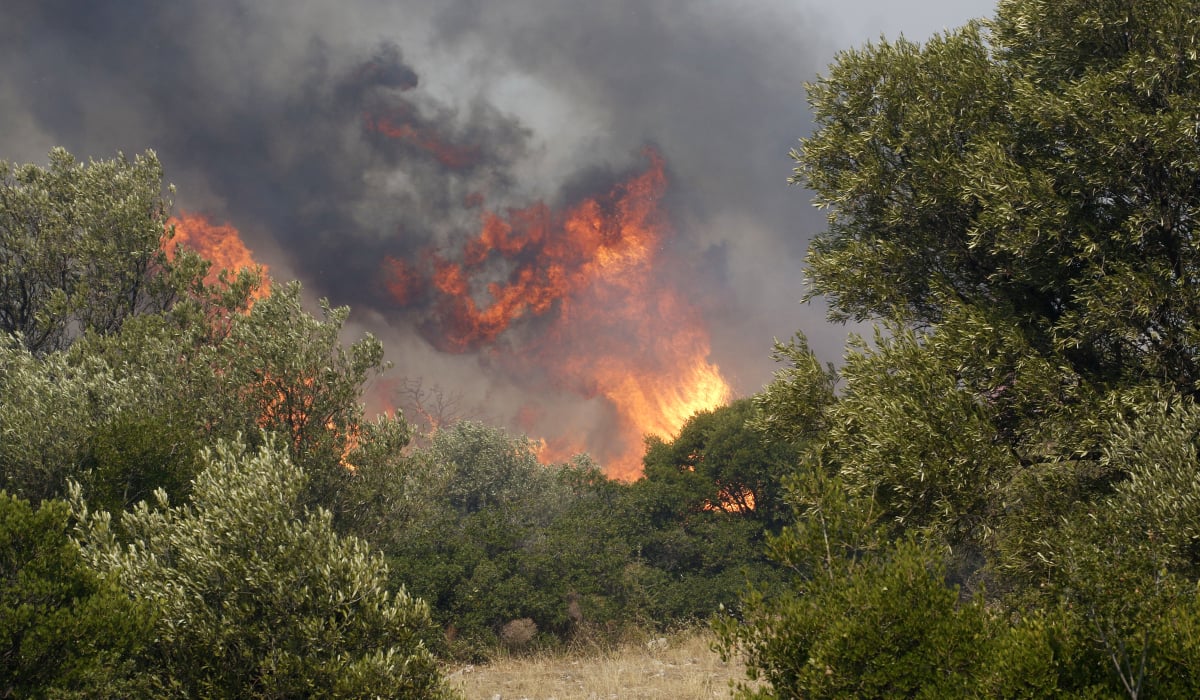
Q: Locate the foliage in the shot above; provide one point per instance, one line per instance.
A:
(127, 413)
(48, 410)
(64, 630)
(864, 619)
(80, 247)
(474, 524)
(1014, 201)
(700, 512)
(256, 597)
(1130, 562)
(723, 465)
(1044, 164)
(910, 432)
(792, 406)
(286, 372)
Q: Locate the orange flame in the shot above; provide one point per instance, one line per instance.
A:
(615, 330)
(733, 500)
(281, 406)
(402, 126)
(220, 244)
(400, 279)
(289, 409)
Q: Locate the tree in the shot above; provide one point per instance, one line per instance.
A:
(1130, 561)
(1021, 193)
(719, 462)
(61, 414)
(698, 516)
(476, 525)
(285, 371)
(117, 366)
(126, 413)
(792, 406)
(257, 597)
(1043, 164)
(1015, 202)
(64, 629)
(81, 247)
(863, 618)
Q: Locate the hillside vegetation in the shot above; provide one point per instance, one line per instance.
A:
(225, 522)
(995, 494)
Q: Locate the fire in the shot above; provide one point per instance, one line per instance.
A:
(220, 244)
(733, 500)
(400, 124)
(607, 325)
(281, 405)
(291, 409)
(399, 279)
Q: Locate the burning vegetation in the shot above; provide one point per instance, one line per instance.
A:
(578, 305)
(220, 244)
(576, 296)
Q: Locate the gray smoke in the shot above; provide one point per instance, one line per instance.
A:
(292, 120)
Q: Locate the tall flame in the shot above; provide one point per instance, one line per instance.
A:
(612, 328)
(281, 405)
(220, 244)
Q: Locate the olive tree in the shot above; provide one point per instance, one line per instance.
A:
(1015, 203)
(65, 630)
(256, 596)
(81, 247)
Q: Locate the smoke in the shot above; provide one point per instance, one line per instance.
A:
(337, 136)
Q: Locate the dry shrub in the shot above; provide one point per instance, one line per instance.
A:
(517, 634)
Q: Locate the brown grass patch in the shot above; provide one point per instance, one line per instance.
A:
(676, 666)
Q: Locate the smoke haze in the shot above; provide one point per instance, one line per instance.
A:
(337, 136)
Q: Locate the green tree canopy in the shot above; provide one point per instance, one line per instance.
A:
(1015, 202)
(476, 525)
(257, 597)
(719, 462)
(65, 631)
(81, 247)
(1045, 164)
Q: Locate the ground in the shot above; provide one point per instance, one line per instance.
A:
(678, 666)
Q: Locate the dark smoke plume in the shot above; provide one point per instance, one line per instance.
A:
(339, 135)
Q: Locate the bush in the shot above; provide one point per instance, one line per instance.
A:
(257, 597)
(64, 630)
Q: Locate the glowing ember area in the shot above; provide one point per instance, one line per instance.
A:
(579, 297)
(734, 500)
(402, 126)
(289, 409)
(220, 244)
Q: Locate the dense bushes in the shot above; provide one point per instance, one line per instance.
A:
(1015, 451)
(65, 630)
(475, 525)
(254, 597)
(241, 527)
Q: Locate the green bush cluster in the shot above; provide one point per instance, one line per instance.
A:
(1002, 501)
(476, 526)
(200, 440)
(236, 528)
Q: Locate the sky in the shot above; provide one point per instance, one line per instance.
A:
(338, 135)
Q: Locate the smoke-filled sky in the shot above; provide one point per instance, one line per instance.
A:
(339, 135)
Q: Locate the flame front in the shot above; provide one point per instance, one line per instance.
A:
(220, 244)
(603, 321)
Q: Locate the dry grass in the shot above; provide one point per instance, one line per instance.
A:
(679, 666)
